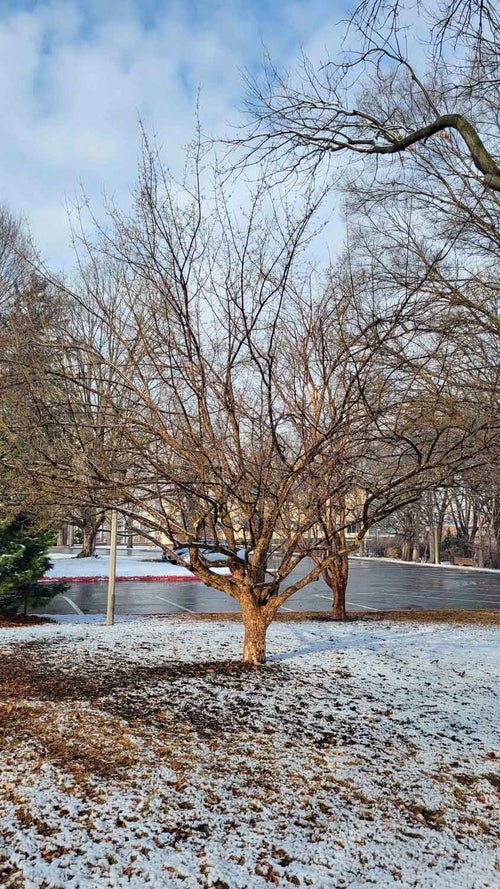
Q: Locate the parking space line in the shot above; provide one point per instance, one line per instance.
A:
(440, 591)
(430, 596)
(359, 605)
(73, 604)
(176, 604)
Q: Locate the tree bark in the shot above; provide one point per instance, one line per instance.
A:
(430, 540)
(481, 157)
(129, 534)
(415, 556)
(88, 545)
(336, 577)
(256, 620)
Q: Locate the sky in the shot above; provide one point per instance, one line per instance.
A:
(77, 76)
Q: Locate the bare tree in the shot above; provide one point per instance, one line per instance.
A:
(219, 387)
(475, 512)
(17, 256)
(420, 214)
(371, 100)
(55, 419)
(421, 182)
(259, 399)
(407, 523)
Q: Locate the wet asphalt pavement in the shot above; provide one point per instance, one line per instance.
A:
(373, 585)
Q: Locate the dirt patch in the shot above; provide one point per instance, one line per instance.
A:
(31, 620)
(210, 700)
(100, 746)
(451, 616)
(197, 693)
(25, 670)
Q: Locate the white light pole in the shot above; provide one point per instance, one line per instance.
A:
(436, 539)
(110, 614)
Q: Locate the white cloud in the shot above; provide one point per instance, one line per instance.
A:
(76, 76)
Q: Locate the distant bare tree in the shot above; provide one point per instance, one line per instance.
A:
(16, 257)
(55, 421)
(407, 523)
(475, 511)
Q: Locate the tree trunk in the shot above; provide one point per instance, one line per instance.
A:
(339, 612)
(336, 577)
(130, 537)
(430, 539)
(256, 621)
(405, 550)
(88, 545)
(415, 556)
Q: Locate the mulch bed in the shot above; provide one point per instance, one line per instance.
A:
(20, 621)
(451, 616)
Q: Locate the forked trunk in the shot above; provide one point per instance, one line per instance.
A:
(256, 620)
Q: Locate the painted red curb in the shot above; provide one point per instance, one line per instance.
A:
(102, 577)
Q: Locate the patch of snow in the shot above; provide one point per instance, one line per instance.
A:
(69, 567)
(72, 617)
(360, 754)
(403, 564)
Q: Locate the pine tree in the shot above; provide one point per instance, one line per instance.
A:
(23, 561)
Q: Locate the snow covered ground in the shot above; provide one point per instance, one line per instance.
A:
(362, 754)
(426, 564)
(70, 568)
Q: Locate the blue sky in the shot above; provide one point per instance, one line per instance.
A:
(76, 75)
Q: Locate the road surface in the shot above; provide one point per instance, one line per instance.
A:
(373, 585)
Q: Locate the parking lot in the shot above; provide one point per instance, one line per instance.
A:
(373, 585)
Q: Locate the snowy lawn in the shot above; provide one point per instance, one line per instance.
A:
(362, 754)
